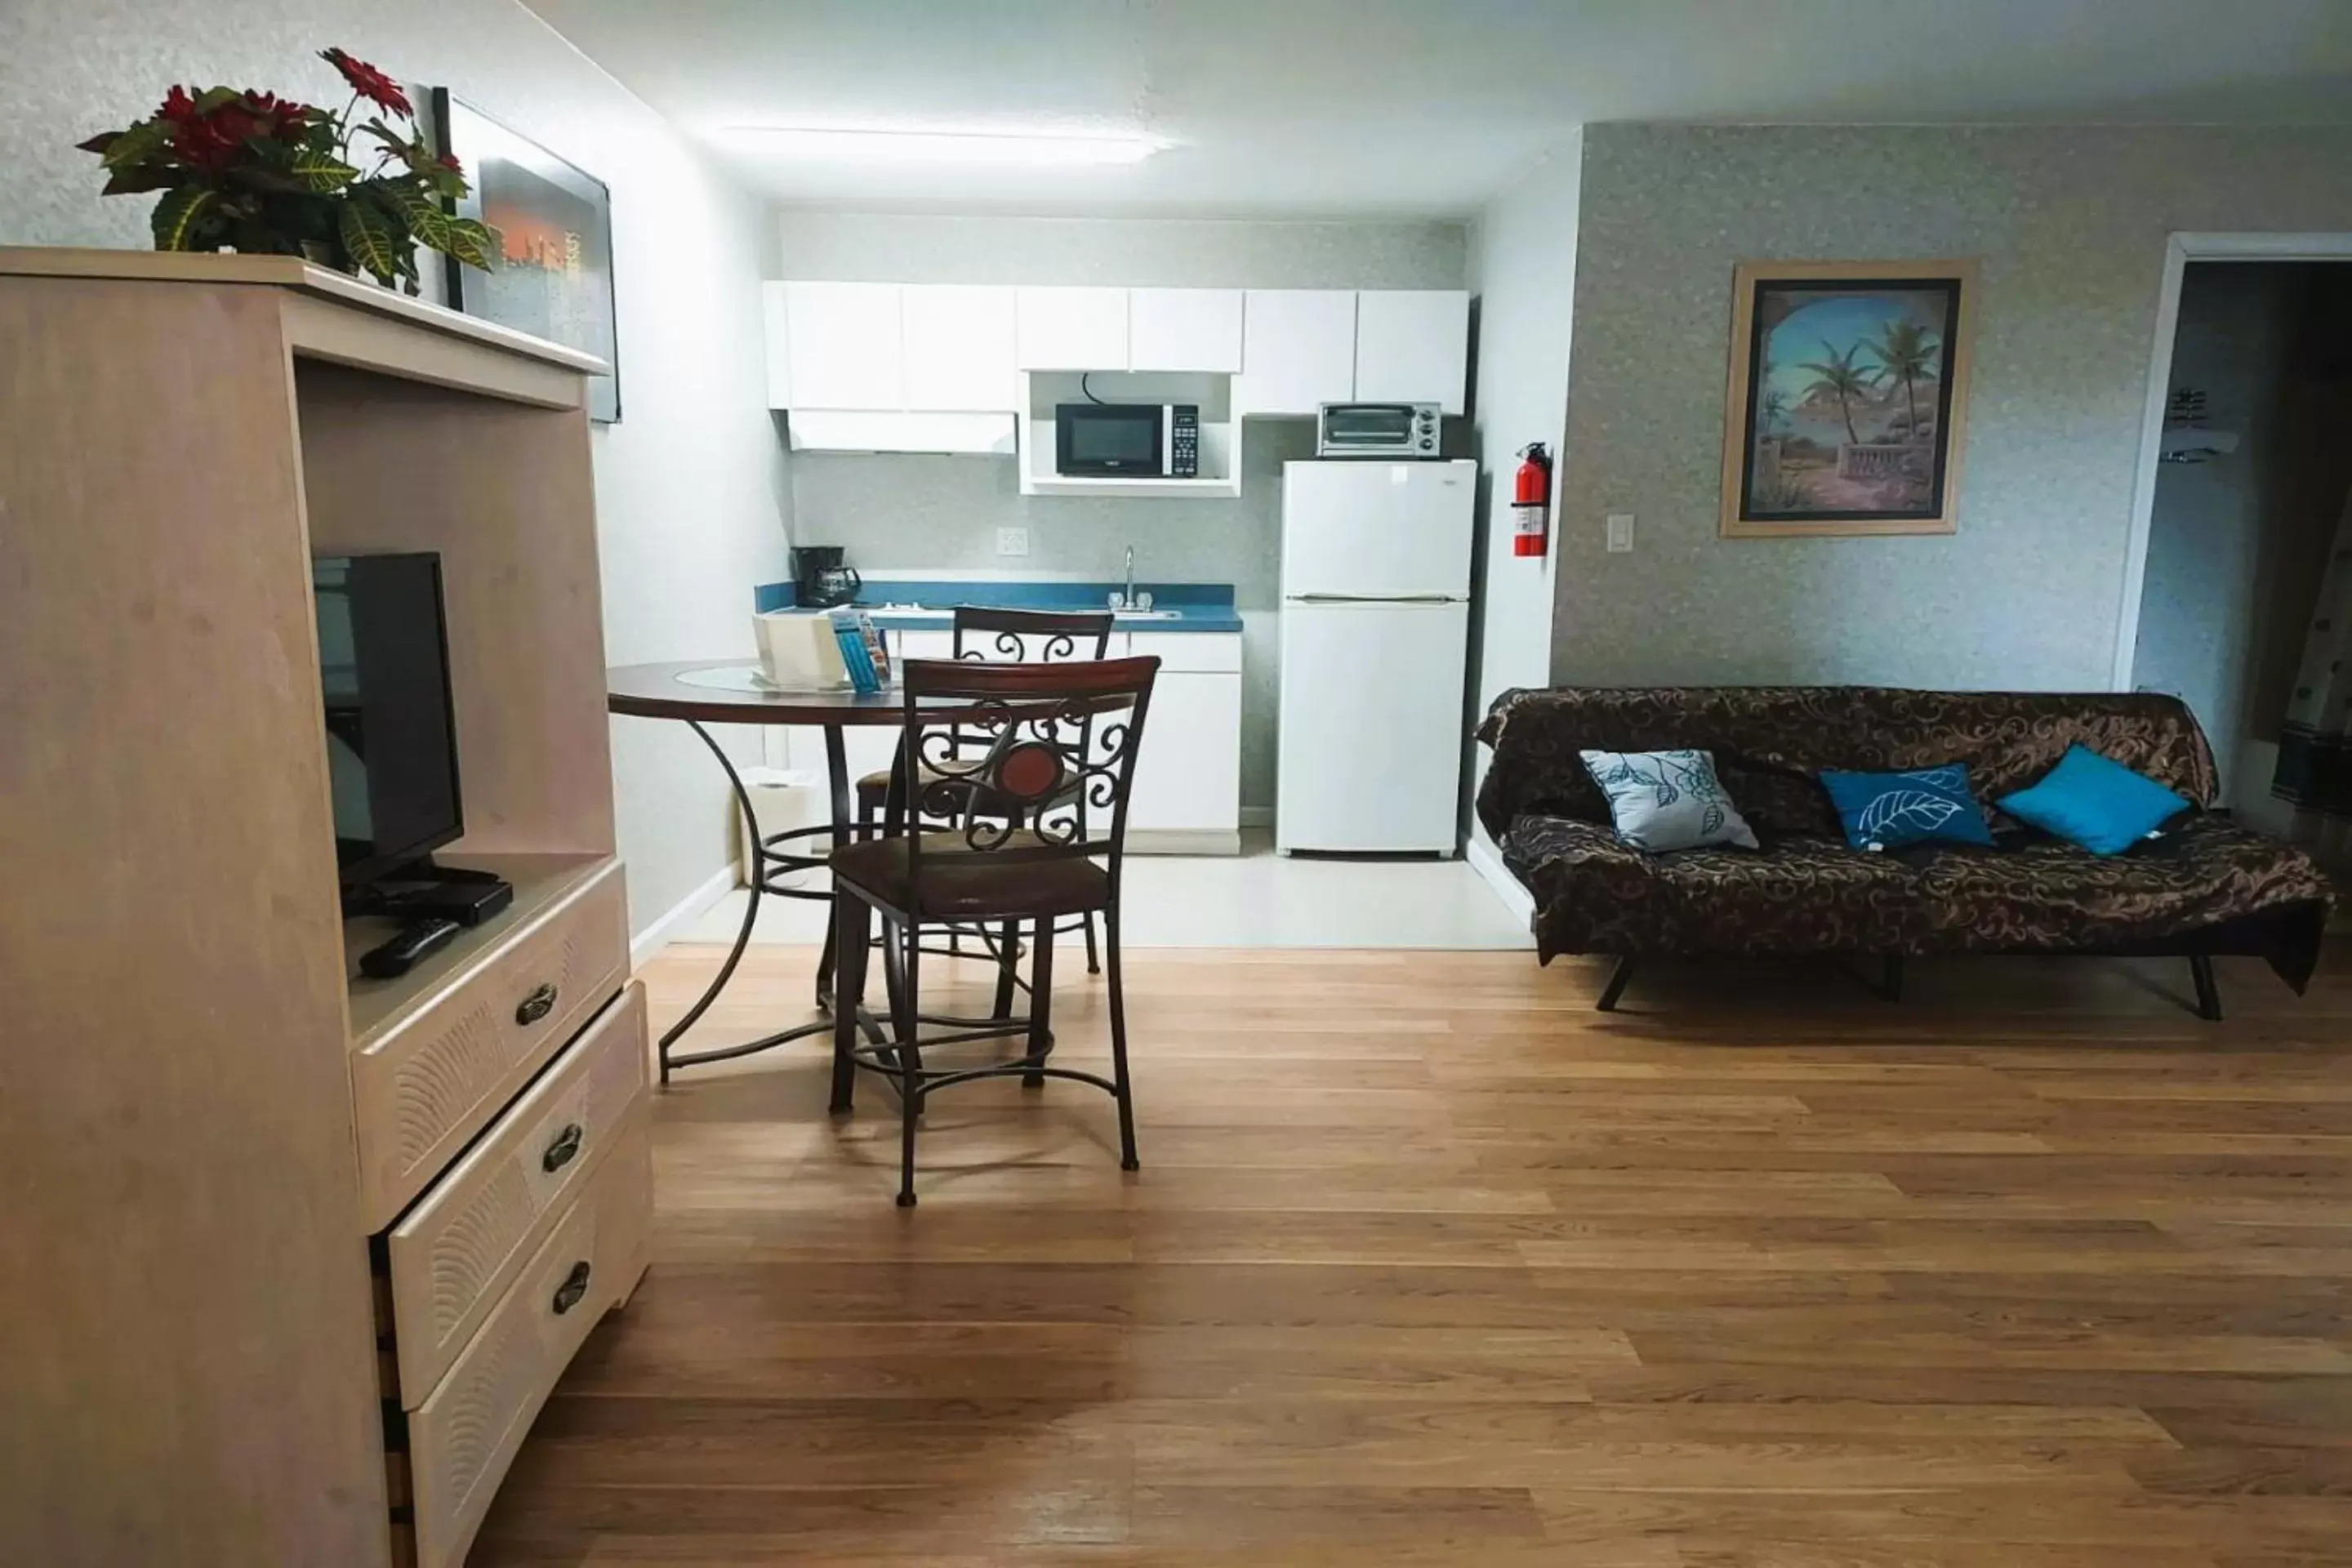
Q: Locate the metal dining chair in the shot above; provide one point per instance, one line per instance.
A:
(1060, 759)
(1015, 637)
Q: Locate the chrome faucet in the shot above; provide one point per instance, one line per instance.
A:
(1127, 598)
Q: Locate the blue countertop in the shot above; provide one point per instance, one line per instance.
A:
(903, 605)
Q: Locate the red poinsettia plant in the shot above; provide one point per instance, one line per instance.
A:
(256, 173)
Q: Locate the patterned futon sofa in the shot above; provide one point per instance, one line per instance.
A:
(2208, 885)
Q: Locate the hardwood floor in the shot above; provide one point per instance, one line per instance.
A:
(1430, 1264)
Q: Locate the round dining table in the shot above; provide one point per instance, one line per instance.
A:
(706, 692)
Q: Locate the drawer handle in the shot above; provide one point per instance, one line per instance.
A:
(574, 1286)
(537, 1006)
(564, 1149)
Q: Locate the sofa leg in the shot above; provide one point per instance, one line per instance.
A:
(2209, 994)
(1616, 986)
(1891, 986)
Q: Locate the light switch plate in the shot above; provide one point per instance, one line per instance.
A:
(1012, 542)
(1621, 533)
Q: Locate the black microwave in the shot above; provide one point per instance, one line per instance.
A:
(1128, 440)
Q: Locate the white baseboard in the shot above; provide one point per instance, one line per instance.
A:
(1489, 865)
(1182, 841)
(681, 914)
(1257, 816)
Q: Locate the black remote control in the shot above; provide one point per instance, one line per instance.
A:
(416, 940)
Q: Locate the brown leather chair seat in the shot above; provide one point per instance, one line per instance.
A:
(876, 785)
(963, 883)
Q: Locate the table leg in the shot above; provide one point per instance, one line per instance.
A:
(845, 830)
(750, 908)
(836, 777)
(763, 858)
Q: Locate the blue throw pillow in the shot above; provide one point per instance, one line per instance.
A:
(2099, 804)
(1886, 811)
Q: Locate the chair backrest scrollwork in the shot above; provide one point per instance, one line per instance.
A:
(1058, 762)
(1031, 637)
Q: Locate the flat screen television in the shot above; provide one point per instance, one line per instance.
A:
(391, 732)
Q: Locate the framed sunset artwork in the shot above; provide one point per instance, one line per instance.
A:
(1848, 397)
(554, 277)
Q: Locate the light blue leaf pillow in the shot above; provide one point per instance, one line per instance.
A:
(1888, 810)
(1667, 800)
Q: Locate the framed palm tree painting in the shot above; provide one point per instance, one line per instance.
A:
(1848, 397)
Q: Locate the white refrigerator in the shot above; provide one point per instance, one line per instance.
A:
(1375, 642)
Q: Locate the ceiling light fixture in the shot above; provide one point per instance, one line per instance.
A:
(841, 144)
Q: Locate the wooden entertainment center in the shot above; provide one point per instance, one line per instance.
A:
(288, 1257)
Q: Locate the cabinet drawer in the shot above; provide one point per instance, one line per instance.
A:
(424, 1090)
(1212, 651)
(462, 1438)
(464, 1242)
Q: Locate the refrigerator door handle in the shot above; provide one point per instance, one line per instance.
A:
(1374, 598)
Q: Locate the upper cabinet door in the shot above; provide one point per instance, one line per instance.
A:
(843, 345)
(959, 346)
(1298, 350)
(1412, 346)
(1184, 328)
(776, 307)
(1072, 329)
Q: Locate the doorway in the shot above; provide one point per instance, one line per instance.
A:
(2251, 479)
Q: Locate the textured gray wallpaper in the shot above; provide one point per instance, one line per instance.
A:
(931, 513)
(2069, 225)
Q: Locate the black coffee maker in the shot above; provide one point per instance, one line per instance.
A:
(821, 579)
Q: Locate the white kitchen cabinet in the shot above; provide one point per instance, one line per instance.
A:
(1188, 775)
(1187, 793)
(1184, 329)
(775, 308)
(844, 344)
(939, 644)
(1298, 350)
(1413, 346)
(1071, 329)
(958, 348)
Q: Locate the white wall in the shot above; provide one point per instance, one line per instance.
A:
(690, 494)
(936, 512)
(1523, 272)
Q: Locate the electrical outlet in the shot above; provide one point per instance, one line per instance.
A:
(1012, 542)
(1621, 533)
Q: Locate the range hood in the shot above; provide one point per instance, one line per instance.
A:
(850, 430)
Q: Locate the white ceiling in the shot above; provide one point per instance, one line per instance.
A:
(1380, 107)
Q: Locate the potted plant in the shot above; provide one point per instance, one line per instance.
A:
(252, 172)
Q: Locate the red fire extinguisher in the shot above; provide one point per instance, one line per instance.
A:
(1531, 500)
